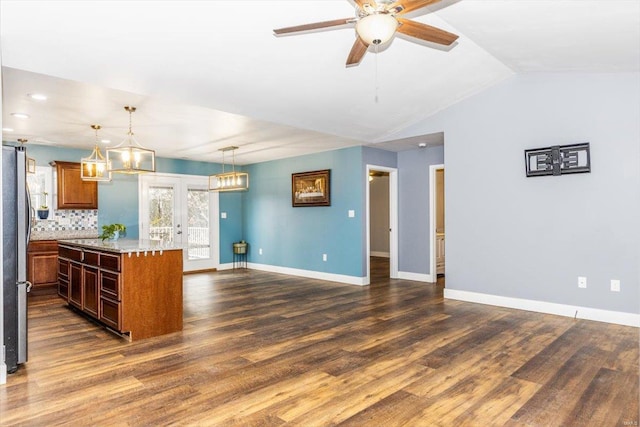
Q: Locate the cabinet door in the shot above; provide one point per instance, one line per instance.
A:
(42, 265)
(73, 192)
(63, 279)
(75, 284)
(111, 313)
(90, 290)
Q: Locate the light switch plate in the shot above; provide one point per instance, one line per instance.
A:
(352, 213)
(615, 285)
(582, 282)
(223, 215)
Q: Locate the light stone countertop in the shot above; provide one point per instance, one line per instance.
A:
(63, 234)
(122, 246)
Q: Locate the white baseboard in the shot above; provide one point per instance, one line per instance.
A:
(350, 280)
(227, 266)
(3, 369)
(617, 317)
(380, 254)
(418, 277)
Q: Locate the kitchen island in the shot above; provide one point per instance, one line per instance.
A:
(134, 287)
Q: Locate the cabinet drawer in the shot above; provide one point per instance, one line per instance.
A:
(63, 289)
(111, 262)
(91, 258)
(110, 313)
(110, 284)
(63, 269)
(70, 253)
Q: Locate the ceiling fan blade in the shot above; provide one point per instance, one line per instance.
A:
(425, 32)
(357, 52)
(410, 5)
(314, 26)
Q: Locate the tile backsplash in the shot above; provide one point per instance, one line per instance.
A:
(60, 220)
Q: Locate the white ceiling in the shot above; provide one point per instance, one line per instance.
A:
(208, 74)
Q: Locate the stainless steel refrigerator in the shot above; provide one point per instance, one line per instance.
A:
(15, 237)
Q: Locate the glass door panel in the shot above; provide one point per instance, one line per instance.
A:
(198, 229)
(161, 220)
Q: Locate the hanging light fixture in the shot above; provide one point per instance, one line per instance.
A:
(229, 181)
(129, 156)
(95, 167)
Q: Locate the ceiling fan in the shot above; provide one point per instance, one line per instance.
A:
(376, 22)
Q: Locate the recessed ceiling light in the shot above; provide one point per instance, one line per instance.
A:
(37, 96)
(20, 115)
(7, 129)
(105, 141)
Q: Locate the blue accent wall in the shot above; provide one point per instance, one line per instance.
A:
(118, 199)
(297, 237)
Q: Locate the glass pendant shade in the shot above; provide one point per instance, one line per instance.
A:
(377, 28)
(129, 156)
(229, 181)
(95, 167)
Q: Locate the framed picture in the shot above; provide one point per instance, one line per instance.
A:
(311, 188)
(31, 165)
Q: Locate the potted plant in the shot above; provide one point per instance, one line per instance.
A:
(43, 211)
(112, 231)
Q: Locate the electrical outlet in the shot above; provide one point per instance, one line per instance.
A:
(260, 251)
(324, 257)
(582, 282)
(615, 285)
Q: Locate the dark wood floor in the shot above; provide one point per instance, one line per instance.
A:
(266, 349)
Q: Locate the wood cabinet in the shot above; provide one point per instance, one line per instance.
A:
(440, 253)
(42, 266)
(138, 295)
(73, 192)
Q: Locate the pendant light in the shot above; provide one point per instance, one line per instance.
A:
(229, 181)
(95, 167)
(129, 156)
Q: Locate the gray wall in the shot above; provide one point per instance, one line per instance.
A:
(379, 214)
(413, 209)
(531, 238)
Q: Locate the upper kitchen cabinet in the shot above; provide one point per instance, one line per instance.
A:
(73, 192)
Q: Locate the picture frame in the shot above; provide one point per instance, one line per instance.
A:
(311, 188)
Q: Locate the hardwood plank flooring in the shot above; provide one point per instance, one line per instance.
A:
(263, 349)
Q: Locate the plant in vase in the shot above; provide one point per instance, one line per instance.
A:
(43, 211)
(112, 231)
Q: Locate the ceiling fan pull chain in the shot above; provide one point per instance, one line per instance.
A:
(376, 73)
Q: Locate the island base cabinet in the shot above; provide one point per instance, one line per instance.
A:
(138, 295)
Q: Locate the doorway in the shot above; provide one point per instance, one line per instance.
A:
(179, 209)
(384, 217)
(437, 223)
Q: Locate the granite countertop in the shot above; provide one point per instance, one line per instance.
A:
(63, 234)
(123, 246)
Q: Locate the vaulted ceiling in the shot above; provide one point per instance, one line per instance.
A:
(209, 74)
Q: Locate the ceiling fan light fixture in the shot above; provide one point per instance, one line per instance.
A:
(377, 28)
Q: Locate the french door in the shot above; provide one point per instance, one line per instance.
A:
(179, 209)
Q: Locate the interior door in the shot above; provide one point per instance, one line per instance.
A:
(179, 209)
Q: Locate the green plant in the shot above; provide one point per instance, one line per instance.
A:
(44, 206)
(109, 230)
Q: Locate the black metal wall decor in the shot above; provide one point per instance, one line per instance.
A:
(558, 160)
